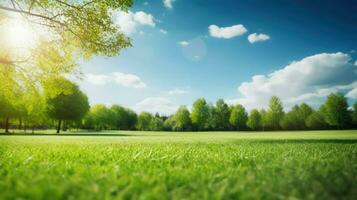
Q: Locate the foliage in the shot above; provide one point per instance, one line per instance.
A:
(100, 116)
(336, 111)
(220, 115)
(354, 115)
(71, 104)
(144, 121)
(255, 120)
(10, 92)
(30, 109)
(200, 114)
(264, 119)
(66, 32)
(295, 119)
(122, 118)
(238, 117)
(156, 124)
(275, 113)
(86, 27)
(35, 109)
(316, 121)
(181, 121)
(169, 124)
(305, 111)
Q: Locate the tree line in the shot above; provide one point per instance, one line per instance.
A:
(62, 105)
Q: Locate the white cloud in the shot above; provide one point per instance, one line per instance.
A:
(168, 3)
(258, 37)
(144, 18)
(156, 104)
(123, 79)
(227, 32)
(183, 43)
(178, 91)
(316, 96)
(129, 21)
(99, 79)
(352, 93)
(128, 80)
(163, 31)
(356, 63)
(308, 80)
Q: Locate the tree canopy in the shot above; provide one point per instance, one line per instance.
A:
(200, 114)
(86, 27)
(220, 114)
(275, 113)
(255, 120)
(71, 104)
(144, 121)
(238, 118)
(181, 121)
(336, 111)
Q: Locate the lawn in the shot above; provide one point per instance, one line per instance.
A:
(157, 165)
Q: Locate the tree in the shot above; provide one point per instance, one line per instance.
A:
(275, 113)
(264, 120)
(100, 116)
(295, 119)
(336, 111)
(66, 31)
(156, 124)
(200, 114)
(132, 119)
(220, 115)
(254, 120)
(10, 94)
(88, 120)
(168, 124)
(65, 105)
(354, 115)
(316, 121)
(35, 109)
(122, 118)
(291, 120)
(84, 27)
(181, 121)
(144, 121)
(7, 111)
(238, 117)
(305, 111)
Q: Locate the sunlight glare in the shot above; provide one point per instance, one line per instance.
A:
(17, 33)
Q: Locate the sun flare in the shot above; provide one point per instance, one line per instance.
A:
(16, 33)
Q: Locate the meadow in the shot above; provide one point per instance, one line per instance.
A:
(185, 165)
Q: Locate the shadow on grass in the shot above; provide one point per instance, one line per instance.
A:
(67, 134)
(306, 141)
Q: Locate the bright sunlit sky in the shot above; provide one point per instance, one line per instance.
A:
(241, 51)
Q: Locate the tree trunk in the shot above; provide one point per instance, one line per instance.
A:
(59, 126)
(7, 125)
(33, 129)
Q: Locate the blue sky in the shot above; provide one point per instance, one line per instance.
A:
(183, 50)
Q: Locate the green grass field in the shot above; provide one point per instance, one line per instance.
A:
(204, 165)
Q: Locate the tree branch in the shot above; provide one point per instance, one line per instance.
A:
(30, 14)
(69, 5)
